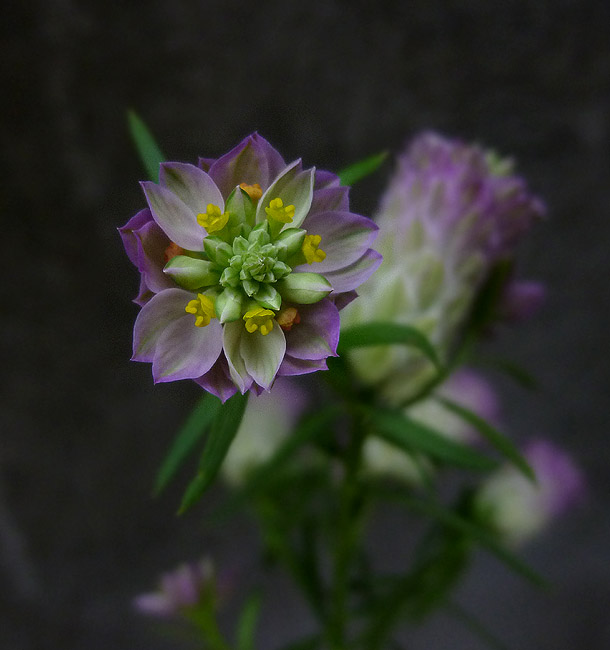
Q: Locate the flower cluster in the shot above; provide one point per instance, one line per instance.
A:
(245, 262)
(518, 508)
(450, 213)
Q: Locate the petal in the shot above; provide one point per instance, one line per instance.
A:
(144, 293)
(218, 381)
(253, 160)
(317, 335)
(151, 256)
(157, 314)
(295, 187)
(191, 185)
(291, 366)
(345, 238)
(127, 233)
(176, 219)
(231, 344)
(205, 164)
(331, 198)
(185, 351)
(342, 300)
(351, 277)
(326, 179)
(263, 355)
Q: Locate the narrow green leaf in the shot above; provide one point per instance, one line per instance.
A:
(412, 436)
(515, 372)
(186, 440)
(484, 537)
(359, 336)
(225, 426)
(361, 169)
(498, 440)
(246, 625)
(149, 151)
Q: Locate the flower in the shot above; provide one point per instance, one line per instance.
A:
(179, 590)
(245, 262)
(450, 213)
(518, 508)
(465, 387)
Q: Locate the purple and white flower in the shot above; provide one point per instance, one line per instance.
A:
(518, 508)
(449, 214)
(244, 261)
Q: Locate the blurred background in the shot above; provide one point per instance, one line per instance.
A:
(83, 429)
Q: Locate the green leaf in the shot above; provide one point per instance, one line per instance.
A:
(357, 171)
(498, 440)
(359, 336)
(246, 625)
(225, 426)
(149, 151)
(412, 436)
(186, 440)
(483, 536)
(514, 371)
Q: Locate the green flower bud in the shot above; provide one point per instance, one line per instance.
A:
(191, 273)
(228, 305)
(304, 288)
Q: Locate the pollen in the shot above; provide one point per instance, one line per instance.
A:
(278, 212)
(311, 251)
(202, 308)
(212, 219)
(254, 191)
(172, 251)
(259, 319)
(287, 318)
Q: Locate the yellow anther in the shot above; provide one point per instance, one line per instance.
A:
(203, 308)
(278, 212)
(311, 251)
(212, 219)
(254, 191)
(259, 319)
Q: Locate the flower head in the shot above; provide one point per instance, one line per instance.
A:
(244, 261)
(449, 214)
(180, 590)
(518, 508)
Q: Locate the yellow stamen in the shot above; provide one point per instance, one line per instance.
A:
(259, 319)
(203, 308)
(212, 219)
(311, 251)
(278, 212)
(254, 191)
(288, 317)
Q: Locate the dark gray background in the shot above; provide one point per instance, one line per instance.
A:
(83, 430)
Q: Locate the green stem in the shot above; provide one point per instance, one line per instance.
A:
(349, 528)
(203, 618)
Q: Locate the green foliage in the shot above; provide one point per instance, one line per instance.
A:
(185, 442)
(499, 441)
(146, 146)
(223, 430)
(357, 171)
(248, 620)
(369, 334)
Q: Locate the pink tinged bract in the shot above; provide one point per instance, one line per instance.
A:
(191, 185)
(352, 276)
(317, 335)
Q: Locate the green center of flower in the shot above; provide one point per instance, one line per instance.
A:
(245, 271)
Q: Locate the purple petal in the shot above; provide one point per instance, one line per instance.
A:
(330, 199)
(342, 300)
(153, 243)
(326, 179)
(157, 314)
(218, 381)
(522, 299)
(182, 585)
(184, 351)
(291, 366)
(253, 160)
(345, 238)
(155, 604)
(176, 219)
(295, 187)
(317, 335)
(144, 293)
(205, 164)
(191, 185)
(263, 355)
(351, 277)
(127, 233)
